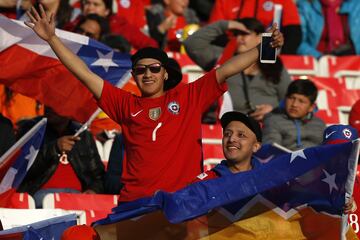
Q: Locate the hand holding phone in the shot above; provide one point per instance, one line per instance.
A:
(267, 52)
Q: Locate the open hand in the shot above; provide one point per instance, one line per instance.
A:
(43, 25)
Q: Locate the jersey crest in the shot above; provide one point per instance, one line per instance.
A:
(174, 107)
(154, 113)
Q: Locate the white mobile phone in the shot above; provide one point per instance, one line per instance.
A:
(267, 53)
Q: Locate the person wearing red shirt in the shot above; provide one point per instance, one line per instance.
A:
(161, 128)
(65, 163)
(167, 22)
(263, 11)
(118, 24)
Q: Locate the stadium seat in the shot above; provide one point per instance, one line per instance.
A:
(96, 206)
(334, 99)
(211, 145)
(19, 200)
(187, 66)
(300, 65)
(346, 66)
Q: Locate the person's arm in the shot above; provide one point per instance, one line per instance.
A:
(242, 61)
(200, 47)
(44, 27)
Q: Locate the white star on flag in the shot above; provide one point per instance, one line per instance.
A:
(105, 60)
(330, 179)
(31, 156)
(299, 153)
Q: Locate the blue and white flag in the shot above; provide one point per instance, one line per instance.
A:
(49, 229)
(296, 190)
(16, 161)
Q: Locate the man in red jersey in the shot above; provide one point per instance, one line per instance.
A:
(162, 129)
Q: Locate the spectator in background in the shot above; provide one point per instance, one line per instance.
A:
(65, 163)
(61, 9)
(92, 26)
(117, 43)
(256, 90)
(202, 8)
(263, 10)
(354, 116)
(7, 136)
(330, 27)
(9, 9)
(118, 24)
(166, 22)
(294, 125)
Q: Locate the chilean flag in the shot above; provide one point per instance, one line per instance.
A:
(15, 163)
(30, 67)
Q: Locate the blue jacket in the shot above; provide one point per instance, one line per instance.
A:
(312, 24)
(222, 169)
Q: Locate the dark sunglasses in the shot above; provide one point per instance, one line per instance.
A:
(141, 69)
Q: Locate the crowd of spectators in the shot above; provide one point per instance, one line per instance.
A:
(285, 108)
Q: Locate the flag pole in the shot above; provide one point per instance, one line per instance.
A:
(349, 185)
(124, 79)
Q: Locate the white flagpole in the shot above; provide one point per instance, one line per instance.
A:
(349, 185)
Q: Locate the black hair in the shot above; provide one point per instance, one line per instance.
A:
(117, 42)
(103, 23)
(304, 87)
(271, 72)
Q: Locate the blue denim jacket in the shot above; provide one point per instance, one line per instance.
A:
(312, 24)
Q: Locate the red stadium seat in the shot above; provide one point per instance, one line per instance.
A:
(334, 99)
(96, 206)
(347, 66)
(19, 200)
(300, 65)
(187, 66)
(211, 142)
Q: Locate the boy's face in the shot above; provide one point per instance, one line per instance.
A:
(150, 76)
(297, 106)
(239, 142)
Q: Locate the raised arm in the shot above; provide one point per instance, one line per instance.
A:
(44, 27)
(242, 61)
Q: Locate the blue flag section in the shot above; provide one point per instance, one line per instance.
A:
(50, 229)
(299, 188)
(268, 152)
(15, 163)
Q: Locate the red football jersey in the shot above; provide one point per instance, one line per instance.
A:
(162, 135)
(260, 9)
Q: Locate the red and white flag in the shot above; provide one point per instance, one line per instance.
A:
(30, 67)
